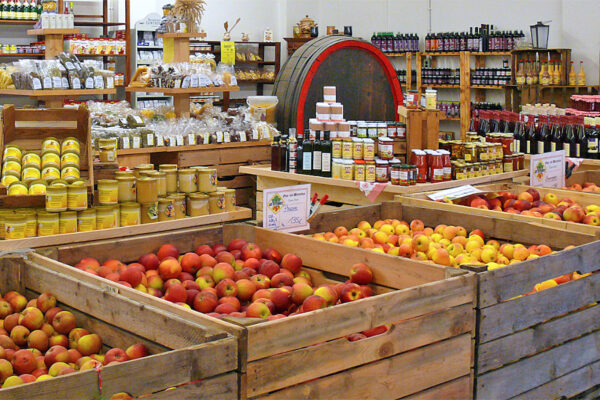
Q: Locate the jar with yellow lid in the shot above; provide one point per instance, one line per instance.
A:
(368, 149)
(357, 148)
(12, 151)
(127, 188)
(11, 168)
(86, 220)
(471, 152)
(31, 159)
(370, 171)
(359, 170)
(216, 202)
(30, 221)
(7, 180)
(60, 182)
(77, 199)
(171, 176)
(69, 160)
(207, 180)
(166, 209)
(161, 179)
(347, 148)
(56, 198)
(130, 214)
(37, 187)
(336, 148)
(146, 190)
(108, 142)
(163, 167)
(230, 200)
(178, 204)
(17, 189)
(149, 212)
(107, 154)
(108, 192)
(31, 174)
(50, 173)
(142, 167)
(105, 217)
(67, 222)
(458, 170)
(188, 182)
(197, 204)
(336, 168)
(69, 174)
(47, 223)
(348, 169)
(70, 144)
(50, 145)
(14, 226)
(119, 174)
(50, 160)
(117, 212)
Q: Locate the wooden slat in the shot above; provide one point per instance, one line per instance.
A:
(348, 318)
(82, 385)
(224, 156)
(328, 221)
(568, 385)
(402, 375)
(514, 315)
(197, 147)
(223, 387)
(517, 378)
(458, 389)
(313, 362)
(537, 339)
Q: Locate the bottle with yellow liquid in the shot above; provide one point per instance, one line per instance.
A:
(520, 77)
(544, 75)
(557, 73)
(550, 71)
(572, 76)
(529, 74)
(581, 75)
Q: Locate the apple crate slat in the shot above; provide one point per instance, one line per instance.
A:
(530, 347)
(184, 353)
(428, 348)
(583, 198)
(582, 177)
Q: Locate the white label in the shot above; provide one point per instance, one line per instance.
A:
(529, 147)
(191, 139)
(254, 134)
(194, 81)
(37, 85)
(98, 82)
(326, 162)
(447, 171)
(203, 80)
(438, 172)
(150, 139)
(126, 144)
(206, 138)
(552, 146)
(89, 83)
(186, 82)
(179, 140)
(172, 141)
(47, 83)
(454, 193)
(567, 148)
(323, 117)
(287, 208)
(307, 161)
(135, 142)
(69, 65)
(242, 136)
(65, 82)
(316, 160)
(76, 82)
(56, 82)
(540, 147)
(577, 150)
(110, 82)
(547, 170)
(329, 98)
(226, 137)
(160, 141)
(219, 137)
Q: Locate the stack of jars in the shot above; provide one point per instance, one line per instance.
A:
(430, 166)
(353, 159)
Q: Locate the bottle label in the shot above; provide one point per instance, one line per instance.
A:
(552, 146)
(316, 161)
(593, 145)
(306, 161)
(517, 145)
(577, 150)
(326, 162)
(567, 148)
(529, 147)
(540, 147)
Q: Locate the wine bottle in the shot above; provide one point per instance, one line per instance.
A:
(284, 154)
(326, 148)
(591, 134)
(316, 154)
(307, 153)
(275, 154)
(300, 154)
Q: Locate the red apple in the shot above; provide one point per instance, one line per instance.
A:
(31, 318)
(291, 262)
(167, 250)
(258, 310)
(261, 281)
(176, 294)
(273, 255)
(89, 344)
(64, 322)
(281, 298)
(137, 350)
(313, 302)
(236, 244)
(281, 279)
(24, 362)
(226, 287)
(115, 354)
(205, 302)
(269, 268)
(150, 261)
(56, 354)
(225, 257)
(45, 301)
(245, 289)
(191, 262)
(351, 292)
(204, 249)
(361, 274)
(251, 250)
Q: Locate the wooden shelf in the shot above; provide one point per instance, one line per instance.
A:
(267, 81)
(84, 23)
(25, 55)
(256, 62)
(17, 22)
(183, 91)
(445, 53)
(56, 93)
(401, 54)
(175, 149)
(44, 32)
(493, 87)
(450, 118)
(175, 35)
(491, 53)
(424, 85)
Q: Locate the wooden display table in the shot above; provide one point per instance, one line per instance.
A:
(344, 191)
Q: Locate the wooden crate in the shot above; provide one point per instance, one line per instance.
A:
(227, 158)
(27, 128)
(422, 128)
(348, 192)
(198, 361)
(583, 177)
(583, 198)
(428, 351)
(539, 346)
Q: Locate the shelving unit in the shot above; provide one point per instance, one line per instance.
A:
(409, 72)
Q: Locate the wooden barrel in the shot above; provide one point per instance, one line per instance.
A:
(366, 82)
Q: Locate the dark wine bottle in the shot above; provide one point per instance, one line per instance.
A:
(316, 154)
(275, 154)
(307, 152)
(326, 148)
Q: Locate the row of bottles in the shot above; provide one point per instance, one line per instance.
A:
(20, 10)
(545, 133)
(402, 42)
(548, 73)
(485, 38)
(302, 155)
(491, 76)
(440, 76)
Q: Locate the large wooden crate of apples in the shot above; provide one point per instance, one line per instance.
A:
(95, 343)
(537, 319)
(411, 335)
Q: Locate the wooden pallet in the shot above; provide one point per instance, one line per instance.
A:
(202, 358)
(583, 198)
(427, 351)
(538, 346)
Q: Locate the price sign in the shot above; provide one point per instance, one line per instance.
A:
(548, 169)
(286, 208)
(228, 53)
(454, 193)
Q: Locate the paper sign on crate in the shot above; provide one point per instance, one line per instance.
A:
(286, 208)
(548, 169)
(454, 193)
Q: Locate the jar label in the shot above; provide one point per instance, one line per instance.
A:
(108, 196)
(152, 212)
(47, 228)
(14, 231)
(130, 218)
(56, 202)
(76, 201)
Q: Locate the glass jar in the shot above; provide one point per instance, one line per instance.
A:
(197, 204)
(336, 148)
(50, 145)
(105, 217)
(357, 148)
(381, 129)
(447, 164)
(382, 172)
(37, 187)
(142, 167)
(166, 209)
(15, 226)
(336, 168)
(12, 151)
(171, 176)
(372, 130)
(179, 203)
(507, 140)
(361, 129)
(69, 160)
(188, 182)
(385, 148)
(50, 174)
(230, 200)
(515, 162)
(392, 129)
(11, 168)
(77, 199)
(107, 154)
(207, 180)
(146, 190)
(347, 170)
(368, 150)
(108, 192)
(482, 154)
(347, 148)
(8, 180)
(56, 199)
(17, 189)
(71, 144)
(32, 159)
(69, 174)
(161, 178)
(370, 171)
(458, 170)
(521, 161)
(120, 174)
(67, 222)
(470, 152)
(127, 189)
(130, 214)
(508, 164)
(395, 173)
(401, 130)
(30, 174)
(149, 212)
(359, 170)
(86, 220)
(47, 223)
